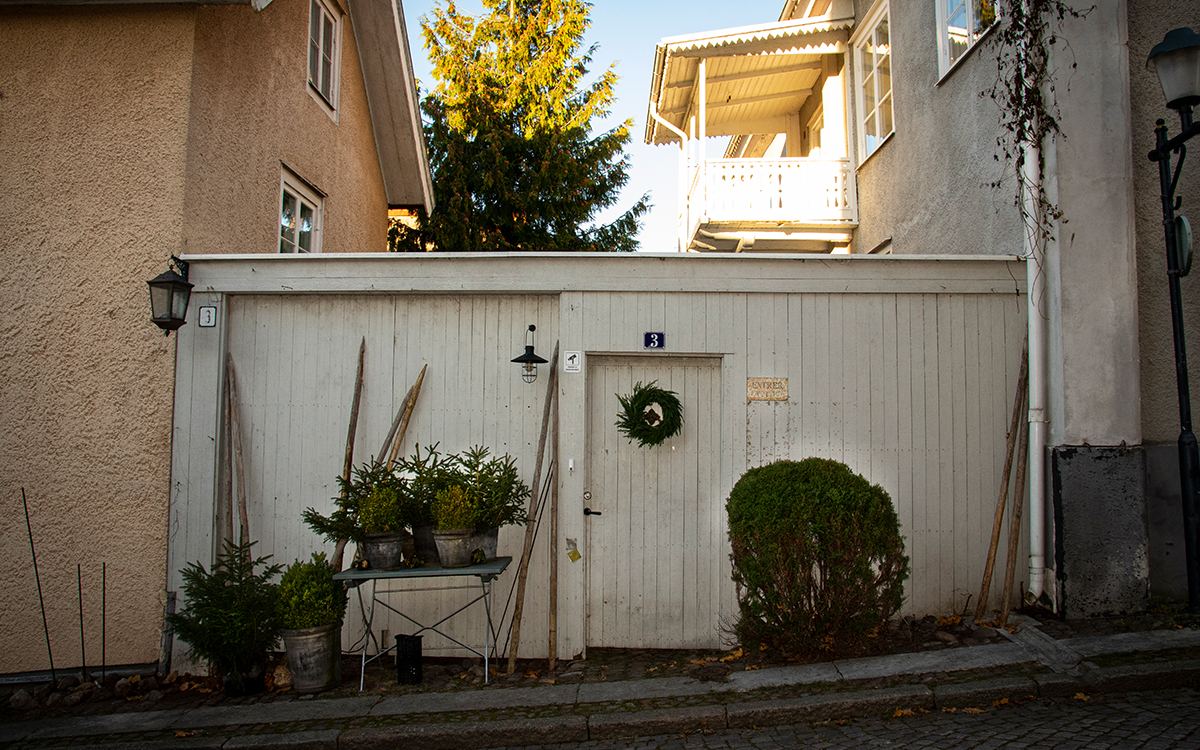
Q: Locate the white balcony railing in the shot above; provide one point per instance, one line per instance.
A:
(780, 191)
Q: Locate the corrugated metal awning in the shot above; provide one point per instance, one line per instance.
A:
(755, 74)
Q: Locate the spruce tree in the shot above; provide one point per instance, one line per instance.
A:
(508, 127)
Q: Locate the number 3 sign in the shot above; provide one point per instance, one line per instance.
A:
(654, 341)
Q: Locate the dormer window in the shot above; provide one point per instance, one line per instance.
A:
(324, 36)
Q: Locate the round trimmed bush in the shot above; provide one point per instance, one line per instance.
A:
(818, 559)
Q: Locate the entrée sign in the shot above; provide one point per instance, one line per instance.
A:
(766, 389)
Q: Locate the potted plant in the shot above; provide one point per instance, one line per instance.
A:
(382, 521)
(497, 492)
(454, 526)
(371, 483)
(425, 476)
(311, 606)
(231, 620)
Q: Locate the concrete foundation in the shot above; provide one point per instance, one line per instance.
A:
(1100, 530)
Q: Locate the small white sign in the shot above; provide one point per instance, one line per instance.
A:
(573, 362)
(208, 317)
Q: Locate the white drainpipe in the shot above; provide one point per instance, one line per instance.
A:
(1038, 318)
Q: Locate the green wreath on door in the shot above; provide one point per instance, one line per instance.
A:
(649, 415)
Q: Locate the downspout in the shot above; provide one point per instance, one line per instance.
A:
(1034, 254)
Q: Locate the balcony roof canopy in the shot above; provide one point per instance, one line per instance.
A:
(756, 75)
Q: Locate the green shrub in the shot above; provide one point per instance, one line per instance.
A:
(231, 619)
(344, 522)
(494, 486)
(308, 595)
(381, 512)
(818, 559)
(453, 509)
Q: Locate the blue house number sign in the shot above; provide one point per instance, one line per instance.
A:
(654, 340)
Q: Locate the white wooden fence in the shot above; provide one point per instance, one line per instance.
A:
(901, 367)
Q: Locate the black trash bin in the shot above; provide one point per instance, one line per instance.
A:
(408, 659)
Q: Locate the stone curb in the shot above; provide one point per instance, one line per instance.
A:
(983, 692)
(1056, 685)
(468, 735)
(1154, 676)
(832, 706)
(655, 721)
(317, 740)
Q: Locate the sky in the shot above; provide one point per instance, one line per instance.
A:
(627, 32)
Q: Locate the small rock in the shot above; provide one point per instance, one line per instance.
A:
(22, 700)
(102, 694)
(946, 638)
(154, 696)
(122, 688)
(969, 641)
(110, 679)
(307, 697)
(41, 691)
(54, 699)
(468, 663)
(74, 699)
(148, 684)
(984, 634)
(433, 670)
(282, 675)
(68, 682)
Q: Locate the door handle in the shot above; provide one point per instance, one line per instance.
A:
(590, 512)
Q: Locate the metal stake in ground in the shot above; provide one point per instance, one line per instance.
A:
(38, 580)
(82, 650)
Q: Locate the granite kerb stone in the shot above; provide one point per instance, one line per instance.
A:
(983, 692)
(655, 721)
(268, 713)
(632, 690)
(428, 703)
(315, 740)
(831, 706)
(1057, 685)
(1153, 676)
(468, 735)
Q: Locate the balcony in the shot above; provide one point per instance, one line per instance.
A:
(782, 205)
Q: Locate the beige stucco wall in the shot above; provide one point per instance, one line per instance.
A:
(251, 111)
(928, 187)
(93, 135)
(1148, 23)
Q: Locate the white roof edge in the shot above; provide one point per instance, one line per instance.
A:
(770, 30)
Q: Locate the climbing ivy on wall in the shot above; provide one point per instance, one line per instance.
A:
(1025, 91)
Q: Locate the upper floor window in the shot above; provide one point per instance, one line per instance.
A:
(960, 24)
(300, 216)
(873, 80)
(324, 34)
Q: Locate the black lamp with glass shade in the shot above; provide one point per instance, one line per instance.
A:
(529, 361)
(169, 295)
(1177, 61)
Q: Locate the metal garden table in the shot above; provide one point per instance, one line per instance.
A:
(486, 573)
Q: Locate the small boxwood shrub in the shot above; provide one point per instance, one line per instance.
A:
(308, 595)
(818, 559)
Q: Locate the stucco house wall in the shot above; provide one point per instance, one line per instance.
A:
(129, 134)
(244, 127)
(93, 139)
(928, 187)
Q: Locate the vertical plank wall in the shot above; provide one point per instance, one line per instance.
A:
(296, 359)
(906, 378)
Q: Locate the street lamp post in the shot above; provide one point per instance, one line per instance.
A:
(1177, 62)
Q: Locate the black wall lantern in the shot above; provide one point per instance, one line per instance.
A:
(1177, 61)
(169, 295)
(529, 361)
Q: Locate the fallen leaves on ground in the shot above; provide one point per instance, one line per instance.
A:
(1001, 702)
(733, 655)
(1082, 697)
(902, 712)
(974, 710)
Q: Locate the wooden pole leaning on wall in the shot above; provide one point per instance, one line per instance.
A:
(409, 402)
(1014, 524)
(348, 464)
(527, 549)
(239, 463)
(998, 521)
(553, 546)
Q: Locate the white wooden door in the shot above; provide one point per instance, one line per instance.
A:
(654, 551)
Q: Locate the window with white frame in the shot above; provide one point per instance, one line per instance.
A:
(300, 216)
(324, 34)
(961, 23)
(873, 80)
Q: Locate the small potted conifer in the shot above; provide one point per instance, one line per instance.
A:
(310, 607)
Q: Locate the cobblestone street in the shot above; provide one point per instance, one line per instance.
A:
(1151, 720)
